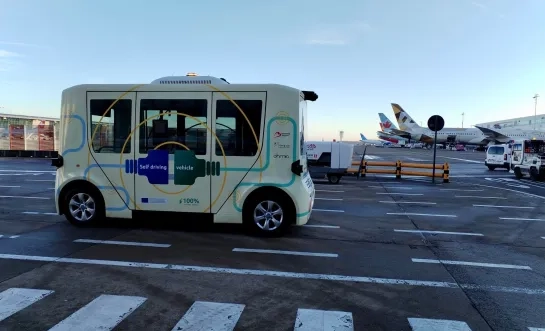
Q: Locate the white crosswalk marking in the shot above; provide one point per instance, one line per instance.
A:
(323, 320)
(106, 312)
(15, 299)
(424, 324)
(210, 316)
(103, 313)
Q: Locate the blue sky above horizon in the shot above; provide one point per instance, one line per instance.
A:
(483, 58)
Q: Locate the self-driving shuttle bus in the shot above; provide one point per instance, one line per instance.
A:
(185, 146)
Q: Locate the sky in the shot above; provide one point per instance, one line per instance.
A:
(482, 58)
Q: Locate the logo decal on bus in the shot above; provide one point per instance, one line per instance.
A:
(279, 156)
(279, 145)
(279, 134)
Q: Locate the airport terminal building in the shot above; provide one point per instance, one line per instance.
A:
(522, 123)
(28, 134)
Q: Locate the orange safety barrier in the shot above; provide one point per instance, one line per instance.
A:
(398, 169)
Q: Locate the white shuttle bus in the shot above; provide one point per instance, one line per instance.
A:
(185, 146)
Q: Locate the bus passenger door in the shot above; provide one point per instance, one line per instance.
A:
(172, 158)
(238, 120)
(112, 121)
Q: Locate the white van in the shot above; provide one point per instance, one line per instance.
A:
(188, 147)
(498, 156)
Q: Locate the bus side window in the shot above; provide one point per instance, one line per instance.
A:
(114, 128)
(169, 128)
(233, 130)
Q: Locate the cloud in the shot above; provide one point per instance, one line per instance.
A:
(336, 34)
(480, 5)
(18, 44)
(4, 53)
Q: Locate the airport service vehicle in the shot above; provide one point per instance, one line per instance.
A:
(528, 159)
(185, 147)
(329, 159)
(498, 156)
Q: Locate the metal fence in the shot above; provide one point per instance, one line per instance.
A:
(16, 137)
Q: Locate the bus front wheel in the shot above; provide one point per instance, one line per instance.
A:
(83, 207)
(268, 214)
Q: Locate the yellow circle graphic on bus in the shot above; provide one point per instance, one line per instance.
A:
(285, 117)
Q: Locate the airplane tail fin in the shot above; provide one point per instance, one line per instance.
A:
(385, 123)
(404, 120)
(362, 137)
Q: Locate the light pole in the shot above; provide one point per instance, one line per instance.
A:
(535, 109)
(463, 114)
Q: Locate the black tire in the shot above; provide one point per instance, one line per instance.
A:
(534, 175)
(334, 179)
(97, 202)
(250, 212)
(491, 168)
(518, 174)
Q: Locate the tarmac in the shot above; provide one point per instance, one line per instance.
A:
(377, 254)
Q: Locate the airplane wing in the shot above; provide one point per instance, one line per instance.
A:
(493, 134)
(400, 133)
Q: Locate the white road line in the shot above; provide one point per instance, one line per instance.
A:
(23, 197)
(466, 160)
(424, 324)
(274, 273)
(323, 320)
(382, 193)
(441, 232)
(13, 237)
(473, 264)
(508, 189)
(211, 316)
(458, 189)
(410, 202)
(322, 226)
(329, 199)
(336, 185)
(331, 191)
(522, 219)
(15, 299)
(39, 180)
(273, 251)
(9, 186)
(418, 214)
(329, 210)
(392, 187)
(477, 197)
(103, 313)
(38, 213)
(28, 171)
(494, 206)
(125, 243)
(536, 329)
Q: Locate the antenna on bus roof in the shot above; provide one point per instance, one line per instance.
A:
(190, 78)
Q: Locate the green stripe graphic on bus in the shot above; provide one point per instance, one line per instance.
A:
(187, 168)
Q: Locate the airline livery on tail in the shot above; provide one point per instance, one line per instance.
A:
(387, 131)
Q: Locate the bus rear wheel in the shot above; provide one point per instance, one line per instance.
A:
(267, 214)
(83, 207)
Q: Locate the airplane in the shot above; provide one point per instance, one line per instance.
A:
(375, 142)
(507, 135)
(386, 127)
(464, 136)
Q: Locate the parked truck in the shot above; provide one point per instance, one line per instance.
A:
(528, 159)
(329, 159)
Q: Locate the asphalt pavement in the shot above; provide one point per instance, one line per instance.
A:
(378, 254)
